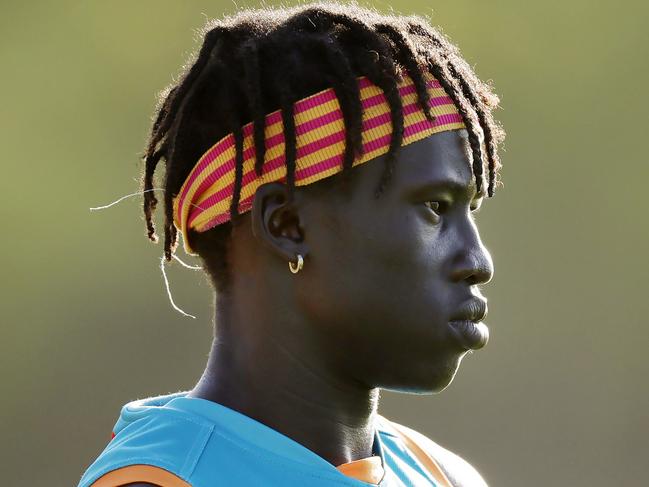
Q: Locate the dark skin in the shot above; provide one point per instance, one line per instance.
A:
(369, 310)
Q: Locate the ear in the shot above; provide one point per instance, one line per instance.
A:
(276, 223)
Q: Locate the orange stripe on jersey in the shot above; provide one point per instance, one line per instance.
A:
(140, 473)
(367, 470)
(423, 456)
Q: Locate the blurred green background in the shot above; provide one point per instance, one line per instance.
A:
(560, 394)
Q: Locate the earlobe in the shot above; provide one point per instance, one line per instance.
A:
(276, 222)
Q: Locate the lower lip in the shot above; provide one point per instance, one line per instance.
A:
(470, 335)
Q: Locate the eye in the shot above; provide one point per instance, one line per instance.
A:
(437, 207)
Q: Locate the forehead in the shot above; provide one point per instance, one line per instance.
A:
(442, 161)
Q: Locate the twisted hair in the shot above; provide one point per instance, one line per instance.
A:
(262, 60)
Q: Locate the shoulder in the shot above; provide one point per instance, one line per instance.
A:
(459, 472)
(152, 450)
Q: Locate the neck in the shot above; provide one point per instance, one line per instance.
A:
(263, 368)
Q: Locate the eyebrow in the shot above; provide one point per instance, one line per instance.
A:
(455, 187)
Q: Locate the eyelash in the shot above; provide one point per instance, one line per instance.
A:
(442, 204)
(445, 205)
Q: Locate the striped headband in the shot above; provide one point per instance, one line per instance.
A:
(204, 199)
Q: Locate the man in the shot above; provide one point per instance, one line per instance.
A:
(371, 146)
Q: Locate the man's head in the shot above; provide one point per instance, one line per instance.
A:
(382, 277)
(387, 262)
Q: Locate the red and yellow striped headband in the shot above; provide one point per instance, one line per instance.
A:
(205, 197)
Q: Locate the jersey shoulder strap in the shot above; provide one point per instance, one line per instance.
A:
(419, 449)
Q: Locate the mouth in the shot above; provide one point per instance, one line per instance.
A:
(467, 326)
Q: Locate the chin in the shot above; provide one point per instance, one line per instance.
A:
(431, 379)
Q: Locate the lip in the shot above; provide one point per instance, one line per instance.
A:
(470, 335)
(474, 309)
(466, 324)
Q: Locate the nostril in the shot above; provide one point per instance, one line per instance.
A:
(480, 277)
(474, 271)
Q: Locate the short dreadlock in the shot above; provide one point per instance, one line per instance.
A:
(262, 60)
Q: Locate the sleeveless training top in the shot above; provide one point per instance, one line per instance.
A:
(178, 441)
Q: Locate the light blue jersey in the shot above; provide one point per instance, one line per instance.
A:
(205, 444)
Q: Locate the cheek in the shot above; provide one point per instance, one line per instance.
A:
(412, 253)
(383, 272)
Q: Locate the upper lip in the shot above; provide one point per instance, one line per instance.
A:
(474, 309)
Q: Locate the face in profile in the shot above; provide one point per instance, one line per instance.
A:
(388, 278)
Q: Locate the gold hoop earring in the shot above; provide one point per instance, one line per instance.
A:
(300, 264)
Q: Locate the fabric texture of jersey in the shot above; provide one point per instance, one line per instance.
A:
(207, 444)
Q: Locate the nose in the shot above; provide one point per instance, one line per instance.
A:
(471, 260)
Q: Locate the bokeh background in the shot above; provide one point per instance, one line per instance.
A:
(559, 396)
